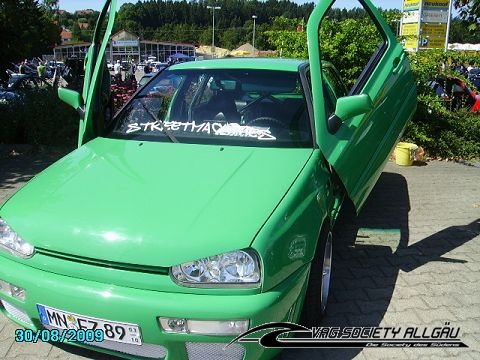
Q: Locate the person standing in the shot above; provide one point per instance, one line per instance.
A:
(146, 68)
(21, 68)
(117, 70)
(41, 69)
(133, 67)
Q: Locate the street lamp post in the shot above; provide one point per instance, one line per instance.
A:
(253, 36)
(397, 26)
(213, 26)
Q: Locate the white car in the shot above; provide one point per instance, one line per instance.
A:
(157, 66)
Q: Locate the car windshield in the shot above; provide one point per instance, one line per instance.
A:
(219, 106)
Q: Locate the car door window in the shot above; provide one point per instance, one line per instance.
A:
(334, 81)
(339, 45)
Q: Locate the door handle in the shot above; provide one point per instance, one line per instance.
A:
(397, 64)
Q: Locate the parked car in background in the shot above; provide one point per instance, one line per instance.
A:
(18, 85)
(455, 93)
(474, 77)
(53, 65)
(126, 65)
(157, 66)
(205, 207)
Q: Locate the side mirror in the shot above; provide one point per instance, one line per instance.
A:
(348, 107)
(72, 98)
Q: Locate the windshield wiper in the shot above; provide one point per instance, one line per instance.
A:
(154, 117)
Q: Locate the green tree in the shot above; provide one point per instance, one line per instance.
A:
(462, 31)
(159, 16)
(290, 44)
(230, 38)
(444, 133)
(50, 8)
(348, 44)
(468, 10)
(76, 32)
(284, 23)
(27, 32)
(50, 5)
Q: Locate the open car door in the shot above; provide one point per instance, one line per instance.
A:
(362, 126)
(94, 105)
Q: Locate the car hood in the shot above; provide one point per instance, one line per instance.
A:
(150, 203)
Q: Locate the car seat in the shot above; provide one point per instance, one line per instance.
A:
(220, 107)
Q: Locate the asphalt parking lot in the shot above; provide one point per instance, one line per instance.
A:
(411, 258)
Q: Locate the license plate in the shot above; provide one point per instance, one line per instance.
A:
(113, 331)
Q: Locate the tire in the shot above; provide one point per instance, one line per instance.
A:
(316, 298)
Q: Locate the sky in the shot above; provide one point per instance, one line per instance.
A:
(72, 5)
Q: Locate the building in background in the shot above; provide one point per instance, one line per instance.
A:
(65, 36)
(127, 46)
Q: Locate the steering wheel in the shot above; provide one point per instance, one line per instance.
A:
(266, 120)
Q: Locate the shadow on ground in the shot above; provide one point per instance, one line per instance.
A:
(19, 163)
(370, 250)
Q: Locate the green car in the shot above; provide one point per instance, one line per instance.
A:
(205, 206)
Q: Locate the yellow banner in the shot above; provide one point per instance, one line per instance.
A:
(432, 43)
(410, 29)
(411, 5)
(410, 43)
(434, 29)
(436, 4)
(433, 36)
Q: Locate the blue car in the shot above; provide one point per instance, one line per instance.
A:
(474, 77)
(19, 84)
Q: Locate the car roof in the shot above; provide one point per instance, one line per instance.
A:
(278, 64)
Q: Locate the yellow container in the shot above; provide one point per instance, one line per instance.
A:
(405, 153)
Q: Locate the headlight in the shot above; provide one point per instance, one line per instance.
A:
(239, 267)
(14, 244)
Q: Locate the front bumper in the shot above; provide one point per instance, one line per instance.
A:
(143, 307)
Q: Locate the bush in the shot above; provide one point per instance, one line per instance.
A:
(452, 135)
(43, 119)
(38, 119)
(441, 132)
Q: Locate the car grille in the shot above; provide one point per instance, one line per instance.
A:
(145, 350)
(103, 263)
(17, 313)
(209, 351)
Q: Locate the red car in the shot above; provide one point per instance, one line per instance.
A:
(456, 93)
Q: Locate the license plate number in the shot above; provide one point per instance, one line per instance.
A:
(113, 331)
